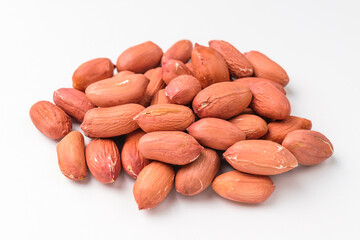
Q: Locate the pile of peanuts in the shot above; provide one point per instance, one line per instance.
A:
(182, 114)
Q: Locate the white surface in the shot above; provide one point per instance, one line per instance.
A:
(42, 43)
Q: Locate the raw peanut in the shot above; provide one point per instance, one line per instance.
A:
(260, 157)
(195, 177)
(117, 90)
(269, 102)
(73, 102)
(253, 126)
(140, 58)
(222, 100)
(237, 63)
(111, 121)
(309, 147)
(71, 156)
(279, 129)
(181, 50)
(174, 68)
(92, 71)
(131, 159)
(153, 184)
(165, 117)
(190, 67)
(155, 84)
(103, 160)
(159, 98)
(251, 80)
(123, 73)
(216, 133)
(172, 147)
(50, 120)
(209, 66)
(264, 67)
(242, 187)
(182, 89)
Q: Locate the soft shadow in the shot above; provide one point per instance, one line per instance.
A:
(120, 182)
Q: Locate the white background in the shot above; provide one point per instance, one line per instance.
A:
(42, 43)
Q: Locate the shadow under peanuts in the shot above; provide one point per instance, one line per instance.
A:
(292, 182)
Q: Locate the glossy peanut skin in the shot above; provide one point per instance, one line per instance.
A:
(251, 80)
(216, 133)
(174, 68)
(222, 100)
(73, 102)
(71, 156)
(165, 117)
(50, 120)
(264, 67)
(242, 187)
(117, 90)
(92, 71)
(279, 129)
(131, 159)
(260, 157)
(153, 184)
(195, 177)
(103, 160)
(181, 50)
(156, 83)
(111, 121)
(209, 66)
(269, 102)
(172, 147)
(140, 58)
(252, 125)
(309, 147)
(237, 63)
(182, 89)
(160, 98)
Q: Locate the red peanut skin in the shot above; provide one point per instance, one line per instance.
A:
(181, 50)
(71, 156)
(174, 68)
(50, 120)
(111, 121)
(222, 100)
(242, 187)
(92, 71)
(264, 67)
(165, 117)
(103, 160)
(132, 161)
(260, 157)
(252, 125)
(182, 89)
(237, 63)
(172, 147)
(209, 66)
(251, 80)
(155, 84)
(269, 102)
(160, 98)
(279, 129)
(140, 58)
(216, 133)
(195, 177)
(308, 146)
(117, 90)
(73, 102)
(153, 185)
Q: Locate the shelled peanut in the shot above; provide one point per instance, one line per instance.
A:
(181, 108)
